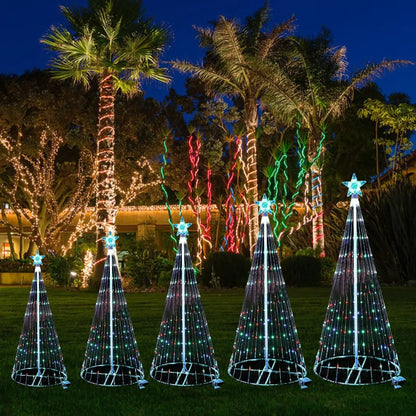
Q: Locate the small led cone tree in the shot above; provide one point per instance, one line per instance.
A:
(112, 357)
(266, 349)
(356, 345)
(184, 355)
(39, 361)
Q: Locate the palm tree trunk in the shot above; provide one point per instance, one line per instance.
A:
(318, 234)
(251, 121)
(105, 196)
(9, 233)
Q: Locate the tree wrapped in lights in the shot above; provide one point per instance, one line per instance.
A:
(39, 361)
(266, 349)
(356, 345)
(47, 194)
(112, 357)
(184, 355)
(236, 203)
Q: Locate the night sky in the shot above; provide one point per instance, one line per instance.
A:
(371, 30)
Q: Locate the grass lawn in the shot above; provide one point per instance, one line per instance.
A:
(73, 312)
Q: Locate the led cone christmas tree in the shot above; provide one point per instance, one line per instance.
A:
(356, 345)
(266, 349)
(184, 355)
(39, 360)
(112, 357)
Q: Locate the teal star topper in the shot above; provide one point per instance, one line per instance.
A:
(182, 227)
(110, 240)
(37, 259)
(265, 205)
(354, 186)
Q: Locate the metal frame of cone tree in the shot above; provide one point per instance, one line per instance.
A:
(39, 361)
(266, 349)
(184, 354)
(112, 356)
(356, 345)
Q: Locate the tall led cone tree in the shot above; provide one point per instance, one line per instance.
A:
(356, 345)
(266, 349)
(39, 361)
(110, 41)
(184, 355)
(112, 357)
(231, 48)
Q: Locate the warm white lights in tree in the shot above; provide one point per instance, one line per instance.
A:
(48, 201)
(88, 268)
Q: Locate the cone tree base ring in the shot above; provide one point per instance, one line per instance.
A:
(279, 372)
(371, 370)
(122, 375)
(33, 378)
(174, 374)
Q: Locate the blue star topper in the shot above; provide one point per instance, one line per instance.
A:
(354, 186)
(265, 205)
(37, 259)
(110, 240)
(182, 227)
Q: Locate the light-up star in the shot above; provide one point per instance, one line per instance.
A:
(182, 228)
(354, 186)
(265, 205)
(110, 240)
(37, 259)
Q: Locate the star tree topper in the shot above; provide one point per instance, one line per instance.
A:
(110, 240)
(354, 186)
(265, 205)
(37, 259)
(182, 228)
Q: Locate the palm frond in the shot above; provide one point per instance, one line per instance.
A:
(339, 57)
(78, 52)
(76, 17)
(156, 73)
(229, 48)
(212, 79)
(279, 92)
(255, 24)
(57, 38)
(128, 87)
(205, 36)
(360, 79)
(65, 69)
(373, 71)
(138, 49)
(109, 36)
(109, 30)
(268, 43)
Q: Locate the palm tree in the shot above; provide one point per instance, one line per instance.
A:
(231, 48)
(110, 41)
(312, 86)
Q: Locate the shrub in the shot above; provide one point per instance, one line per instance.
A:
(327, 270)
(301, 270)
(390, 220)
(231, 269)
(164, 278)
(10, 265)
(60, 268)
(145, 265)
